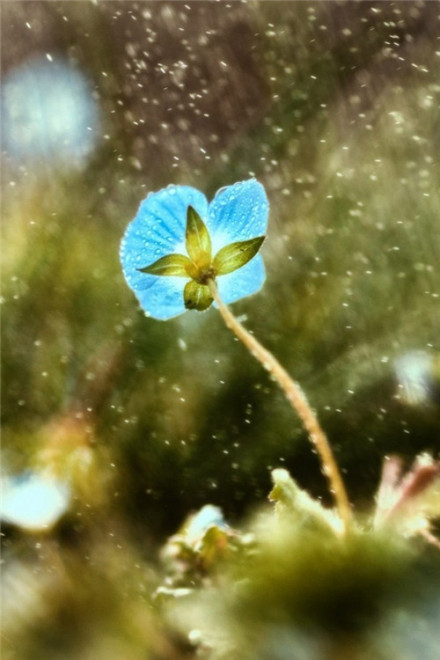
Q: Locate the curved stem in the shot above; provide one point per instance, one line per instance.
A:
(297, 399)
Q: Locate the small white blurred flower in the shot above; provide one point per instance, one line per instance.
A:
(208, 516)
(416, 376)
(33, 501)
(49, 112)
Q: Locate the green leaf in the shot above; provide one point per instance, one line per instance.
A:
(198, 240)
(197, 296)
(236, 255)
(173, 264)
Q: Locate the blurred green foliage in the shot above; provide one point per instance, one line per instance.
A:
(334, 107)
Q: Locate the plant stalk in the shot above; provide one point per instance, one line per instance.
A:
(298, 401)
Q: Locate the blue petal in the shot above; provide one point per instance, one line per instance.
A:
(159, 226)
(157, 230)
(238, 213)
(161, 297)
(242, 282)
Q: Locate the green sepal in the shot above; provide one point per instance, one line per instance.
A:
(235, 255)
(198, 240)
(197, 296)
(296, 504)
(173, 264)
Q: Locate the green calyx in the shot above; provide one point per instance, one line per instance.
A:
(197, 296)
(235, 255)
(199, 265)
(197, 239)
(172, 265)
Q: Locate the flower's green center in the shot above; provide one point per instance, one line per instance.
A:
(200, 266)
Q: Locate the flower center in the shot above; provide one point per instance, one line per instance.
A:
(205, 274)
(201, 269)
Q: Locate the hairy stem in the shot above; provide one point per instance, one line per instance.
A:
(298, 400)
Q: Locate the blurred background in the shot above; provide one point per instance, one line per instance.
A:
(117, 426)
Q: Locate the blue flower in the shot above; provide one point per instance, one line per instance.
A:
(178, 242)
